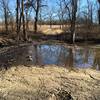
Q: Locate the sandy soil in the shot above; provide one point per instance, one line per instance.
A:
(49, 83)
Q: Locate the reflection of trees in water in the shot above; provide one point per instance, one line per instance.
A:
(84, 57)
(63, 54)
(81, 56)
(97, 59)
(36, 54)
(40, 58)
(86, 54)
(45, 52)
(59, 55)
(50, 54)
(54, 53)
(70, 58)
(78, 56)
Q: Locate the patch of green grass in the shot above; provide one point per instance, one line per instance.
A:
(34, 37)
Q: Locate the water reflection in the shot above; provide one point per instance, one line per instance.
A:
(49, 54)
(62, 56)
(82, 57)
(97, 59)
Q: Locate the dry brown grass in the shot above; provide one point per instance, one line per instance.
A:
(52, 31)
(56, 28)
(45, 29)
(35, 83)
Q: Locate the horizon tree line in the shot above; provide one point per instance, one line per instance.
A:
(67, 11)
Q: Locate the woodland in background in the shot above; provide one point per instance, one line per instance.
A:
(34, 16)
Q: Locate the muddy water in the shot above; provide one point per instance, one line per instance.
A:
(69, 56)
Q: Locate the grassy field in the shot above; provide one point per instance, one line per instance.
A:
(49, 83)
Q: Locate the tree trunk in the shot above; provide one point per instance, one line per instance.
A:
(17, 19)
(99, 12)
(23, 18)
(73, 20)
(72, 31)
(50, 23)
(5, 9)
(36, 55)
(35, 24)
(99, 16)
(27, 21)
(36, 17)
(6, 21)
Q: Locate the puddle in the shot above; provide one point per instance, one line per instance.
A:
(81, 57)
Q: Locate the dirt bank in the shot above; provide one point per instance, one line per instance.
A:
(49, 83)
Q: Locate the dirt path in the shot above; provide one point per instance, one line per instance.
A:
(49, 83)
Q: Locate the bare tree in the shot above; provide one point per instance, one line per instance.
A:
(50, 17)
(90, 12)
(27, 14)
(5, 9)
(17, 17)
(71, 6)
(23, 18)
(36, 5)
(20, 18)
(61, 12)
(73, 18)
(27, 10)
(99, 11)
